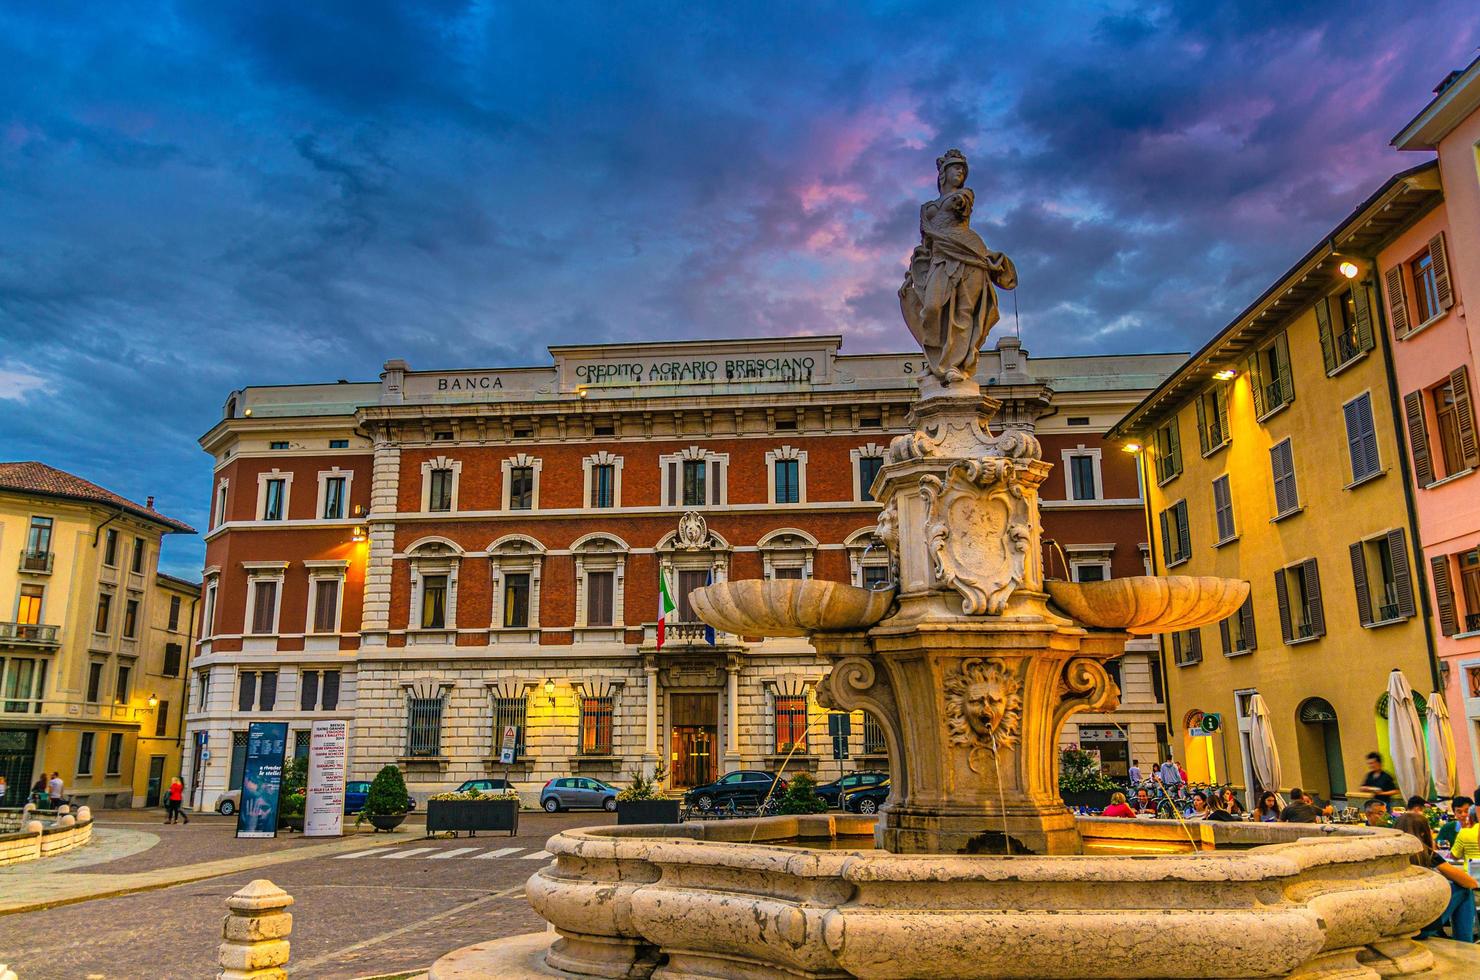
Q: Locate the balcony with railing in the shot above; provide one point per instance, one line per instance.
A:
(36, 562)
(36, 636)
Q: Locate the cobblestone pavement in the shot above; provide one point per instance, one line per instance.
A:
(373, 907)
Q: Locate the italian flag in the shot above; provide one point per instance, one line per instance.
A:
(666, 606)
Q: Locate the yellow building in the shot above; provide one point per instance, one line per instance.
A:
(162, 683)
(1273, 456)
(79, 657)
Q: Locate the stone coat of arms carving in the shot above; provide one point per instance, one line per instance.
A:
(693, 531)
(978, 531)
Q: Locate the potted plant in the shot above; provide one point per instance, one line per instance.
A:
(473, 811)
(1082, 782)
(293, 793)
(641, 801)
(387, 802)
(801, 796)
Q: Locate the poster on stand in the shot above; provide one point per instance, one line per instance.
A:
(262, 779)
(323, 807)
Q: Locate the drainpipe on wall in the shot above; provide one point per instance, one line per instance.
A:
(98, 534)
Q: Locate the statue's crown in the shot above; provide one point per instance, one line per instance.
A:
(949, 157)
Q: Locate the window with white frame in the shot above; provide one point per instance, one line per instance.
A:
(694, 477)
(1089, 562)
(522, 482)
(1082, 474)
(603, 477)
(787, 554)
(868, 560)
(786, 475)
(325, 594)
(867, 461)
(264, 596)
(220, 514)
(439, 478)
(318, 689)
(274, 489)
(208, 608)
(334, 487)
(515, 563)
(434, 569)
(601, 567)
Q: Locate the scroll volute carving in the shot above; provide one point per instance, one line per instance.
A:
(1085, 685)
(856, 684)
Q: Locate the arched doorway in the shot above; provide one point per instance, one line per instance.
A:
(1319, 743)
(1197, 750)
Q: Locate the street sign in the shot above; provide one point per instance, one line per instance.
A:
(509, 745)
(840, 746)
(506, 756)
(839, 723)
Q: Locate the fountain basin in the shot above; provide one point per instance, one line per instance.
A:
(1253, 900)
(789, 607)
(1149, 604)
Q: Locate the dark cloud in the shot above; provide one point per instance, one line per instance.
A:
(198, 197)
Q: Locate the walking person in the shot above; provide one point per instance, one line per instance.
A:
(1380, 783)
(1135, 774)
(174, 798)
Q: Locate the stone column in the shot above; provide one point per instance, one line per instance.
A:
(255, 933)
(732, 719)
(385, 487)
(651, 751)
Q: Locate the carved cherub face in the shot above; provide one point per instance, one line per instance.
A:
(983, 705)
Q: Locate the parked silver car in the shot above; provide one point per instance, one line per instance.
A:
(578, 792)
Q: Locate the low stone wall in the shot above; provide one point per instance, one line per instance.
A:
(21, 846)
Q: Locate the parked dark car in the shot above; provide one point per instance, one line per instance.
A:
(746, 787)
(578, 792)
(866, 799)
(853, 780)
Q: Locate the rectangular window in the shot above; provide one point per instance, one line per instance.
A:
(308, 690)
(439, 495)
(1469, 577)
(694, 489)
(94, 681)
(868, 470)
(1212, 418)
(1425, 288)
(172, 653)
(1168, 452)
(338, 443)
(600, 588)
(596, 725)
(516, 600)
(38, 546)
(510, 711)
(445, 435)
(603, 485)
(1088, 572)
(1298, 591)
(25, 684)
(204, 689)
(104, 613)
(120, 692)
(793, 572)
(1454, 414)
(28, 613)
(138, 565)
(264, 605)
(424, 726)
(1238, 630)
(115, 754)
(788, 490)
(1082, 477)
(873, 736)
(174, 620)
(161, 719)
(791, 722)
(1282, 466)
(1361, 438)
(434, 602)
(521, 488)
(325, 604)
(220, 507)
(1270, 379)
(689, 579)
(130, 618)
(1381, 579)
(208, 615)
(272, 504)
(277, 444)
(875, 576)
(85, 745)
(329, 690)
(1176, 542)
(110, 548)
(1223, 509)
(334, 498)
(1187, 647)
(603, 429)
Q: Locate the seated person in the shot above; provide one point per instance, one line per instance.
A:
(1302, 809)
(1459, 811)
(1459, 916)
(1118, 807)
(1466, 845)
(1376, 812)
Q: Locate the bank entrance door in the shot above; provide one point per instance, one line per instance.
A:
(694, 724)
(17, 759)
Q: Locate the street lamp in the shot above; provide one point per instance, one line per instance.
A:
(1349, 269)
(550, 690)
(1131, 447)
(153, 701)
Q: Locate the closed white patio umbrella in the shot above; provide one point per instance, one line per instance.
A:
(1405, 738)
(1264, 754)
(1442, 763)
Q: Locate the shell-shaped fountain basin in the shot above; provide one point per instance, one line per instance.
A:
(789, 607)
(1150, 604)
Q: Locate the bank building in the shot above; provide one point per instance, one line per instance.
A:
(440, 554)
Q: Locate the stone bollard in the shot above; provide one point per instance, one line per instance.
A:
(256, 931)
(84, 814)
(63, 810)
(67, 820)
(33, 827)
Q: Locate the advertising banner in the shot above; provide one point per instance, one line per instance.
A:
(323, 807)
(262, 779)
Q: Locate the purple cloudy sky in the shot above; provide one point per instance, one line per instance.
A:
(200, 196)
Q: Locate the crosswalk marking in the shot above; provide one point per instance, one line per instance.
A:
(454, 852)
(537, 855)
(408, 853)
(355, 854)
(498, 853)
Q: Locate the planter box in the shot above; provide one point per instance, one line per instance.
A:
(647, 811)
(386, 821)
(1098, 799)
(290, 821)
(472, 815)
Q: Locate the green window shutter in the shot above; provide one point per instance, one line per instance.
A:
(1227, 638)
(1166, 539)
(1444, 595)
(1175, 441)
(1396, 303)
(1442, 285)
(1202, 426)
(1364, 316)
(1418, 438)
(1287, 378)
(1464, 413)
(1359, 579)
(1323, 327)
(1313, 596)
(1221, 397)
(1184, 540)
(1402, 576)
(1282, 595)
(1256, 383)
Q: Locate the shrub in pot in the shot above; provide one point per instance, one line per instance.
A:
(642, 800)
(801, 796)
(1082, 782)
(387, 802)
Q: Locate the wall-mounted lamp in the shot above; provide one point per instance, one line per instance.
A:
(1131, 447)
(357, 510)
(358, 534)
(247, 412)
(153, 701)
(550, 690)
(1349, 269)
(1227, 374)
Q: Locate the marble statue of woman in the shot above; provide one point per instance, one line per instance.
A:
(947, 296)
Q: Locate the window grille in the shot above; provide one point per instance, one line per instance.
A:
(596, 725)
(424, 726)
(873, 736)
(510, 711)
(791, 722)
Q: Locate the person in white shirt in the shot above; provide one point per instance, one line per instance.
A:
(54, 787)
(1135, 773)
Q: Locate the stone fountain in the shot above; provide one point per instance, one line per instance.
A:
(974, 867)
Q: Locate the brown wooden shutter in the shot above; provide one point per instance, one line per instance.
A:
(1166, 539)
(1287, 377)
(1282, 596)
(1256, 383)
(1440, 258)
(1202, 426)
(1359, 579)
(246, 694)
(1444, 595)
(1184, 538)
(1402, 573)
(1227, 639)
(1365, 339)
(1397, 305)
(1194, 643)
(1464, 414)
(1221, 397)
(1418, 438)
(672, 484)
(1313, 596)
(1246, 613)
(1323, 327)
